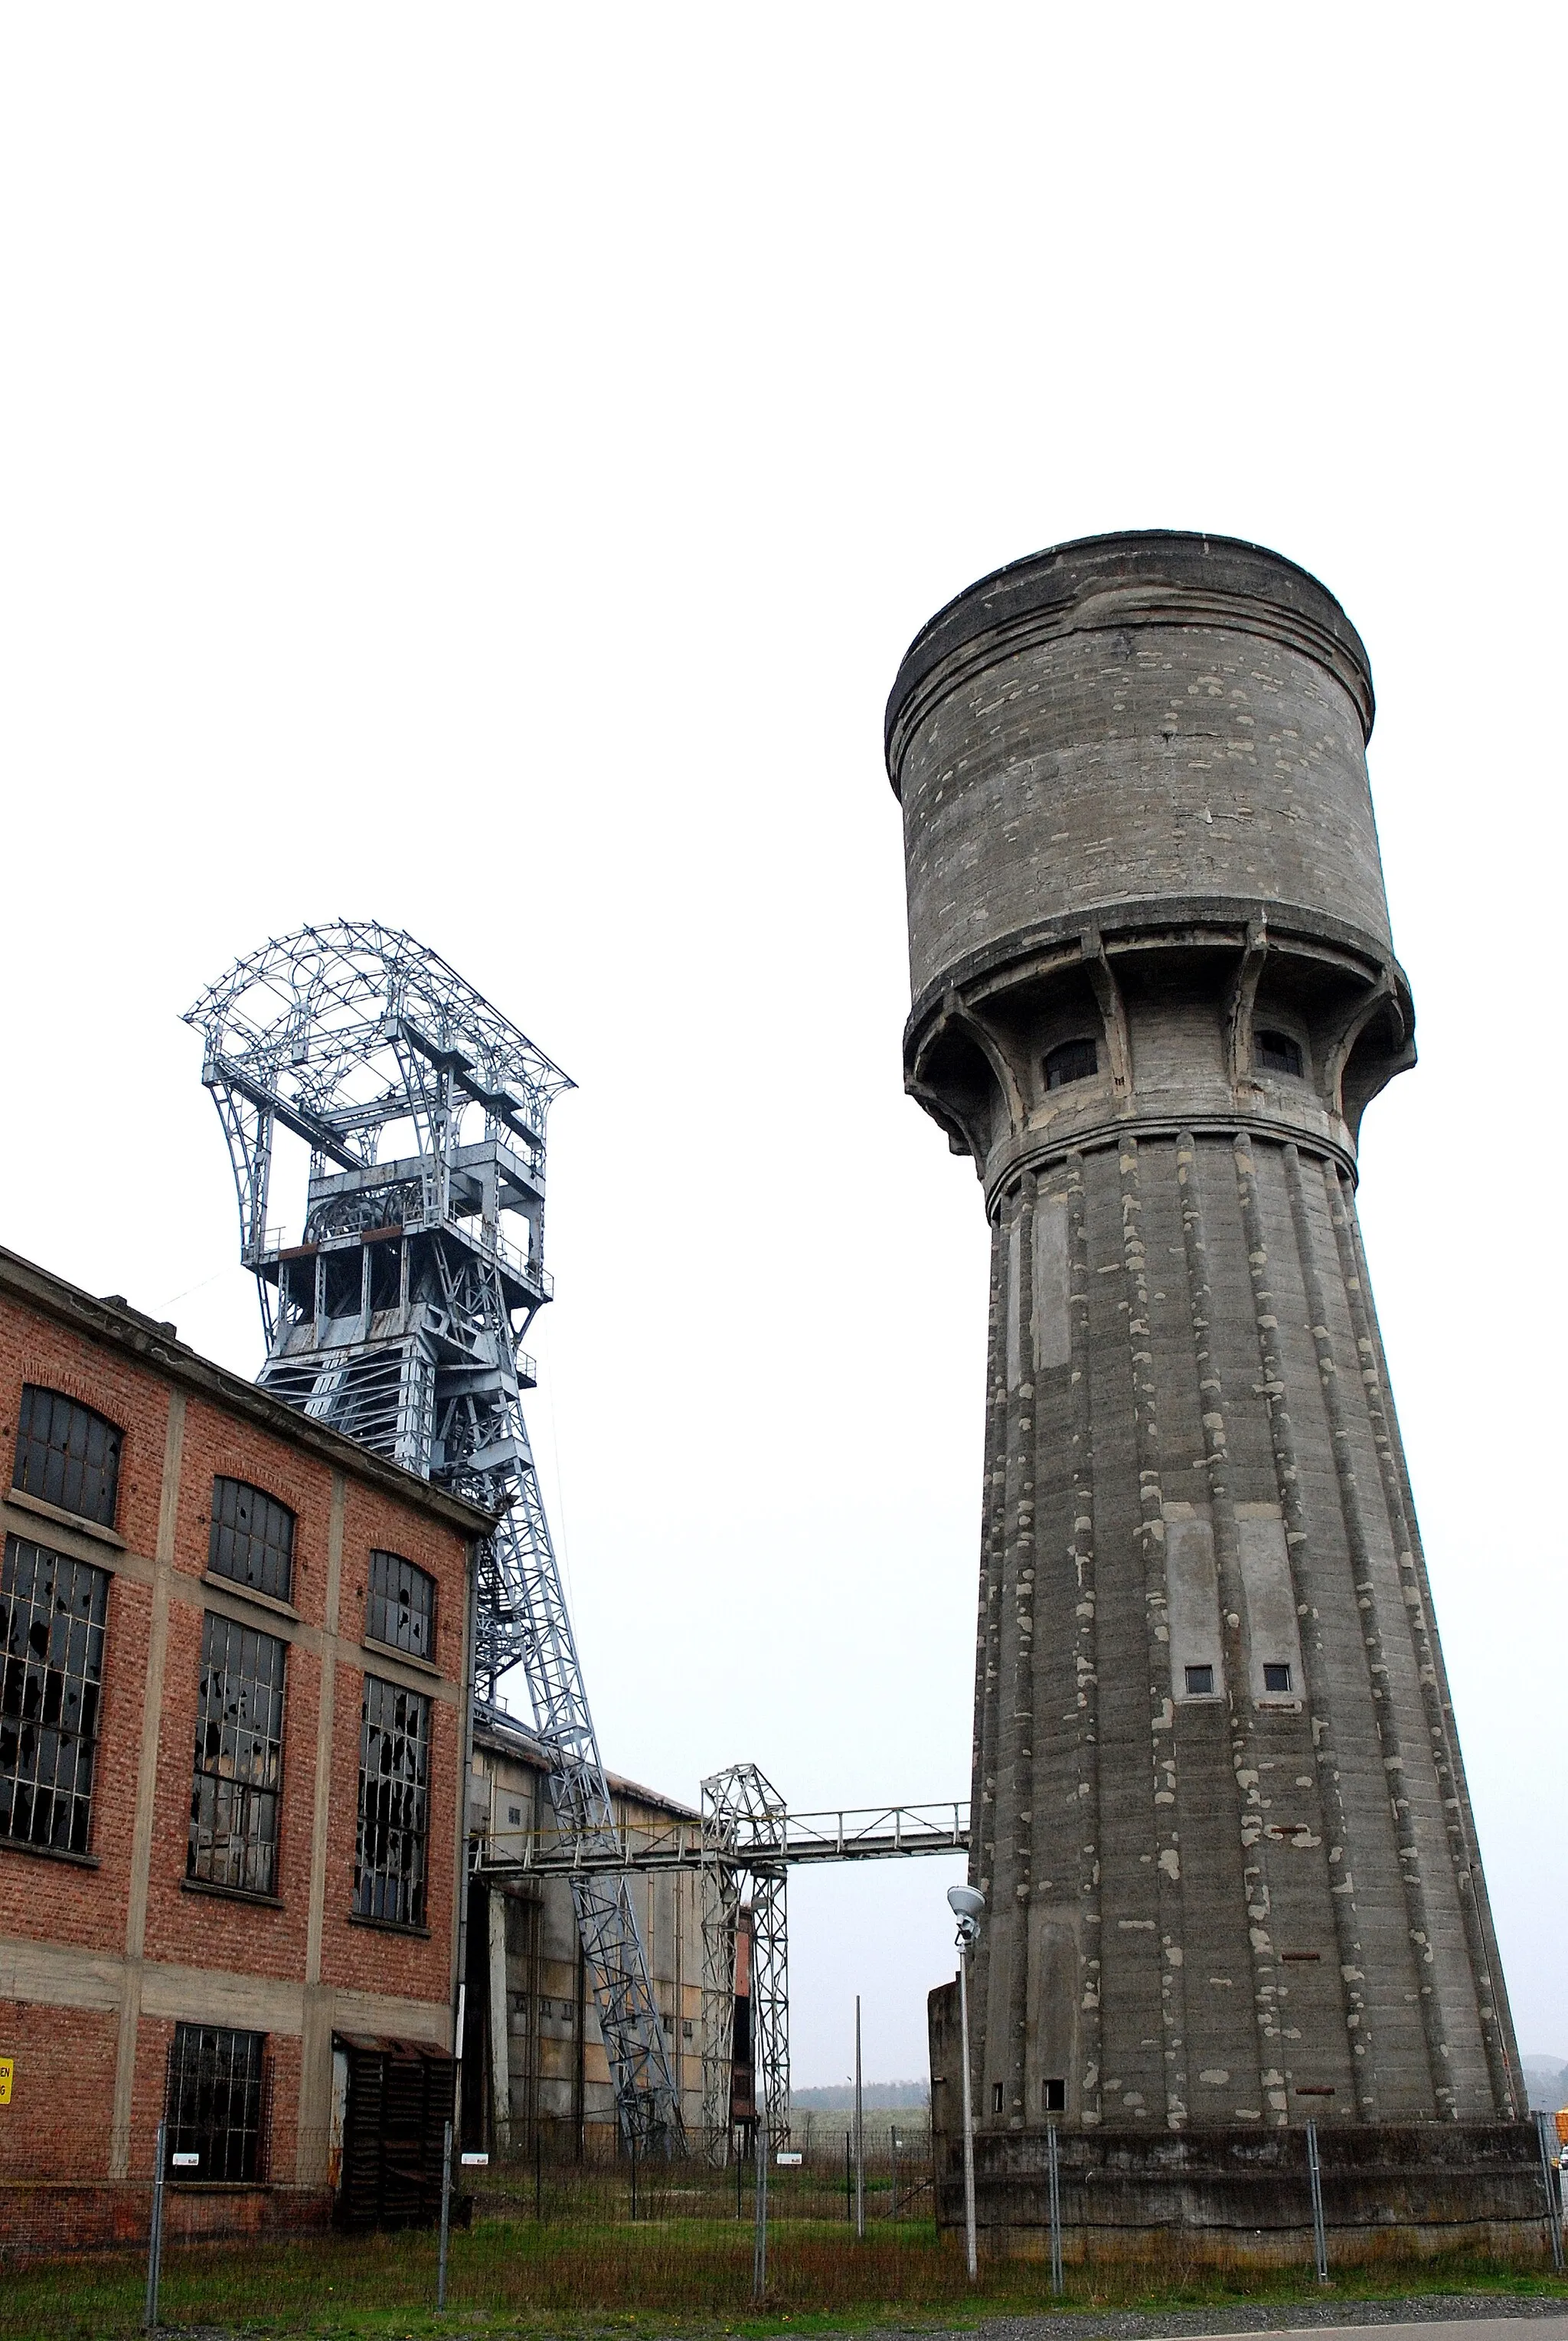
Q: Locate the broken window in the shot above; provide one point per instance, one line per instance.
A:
(1277, 1052)
(238, 1771)
(401, 1607)
(52, 1613)
(394, 1804)
(66, 1455)
(1074, 1060)
(1275, 1678)
(251, 1540)
(1055, 2094)
(215, 2104)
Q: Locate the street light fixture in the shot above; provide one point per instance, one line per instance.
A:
(966, 1903)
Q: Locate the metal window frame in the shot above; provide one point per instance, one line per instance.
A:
(392, 1842)
(204, 2080)
(388, 1619)
(1279, 1052)
(237, 1764)
(1276, 1667)
(1068, 1052)
(236, 1549)
(36, 1694)
(55, 1459)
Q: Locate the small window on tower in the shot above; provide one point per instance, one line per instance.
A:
(1277, 1052)
(1275, 1678)
(1056, 2096)
(1200, 1682)
(996, 2097)
(1074, 1060)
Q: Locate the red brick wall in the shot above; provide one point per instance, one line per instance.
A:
(360, 1958)
(58, 2125)
(35, 1349)
(57, 1901)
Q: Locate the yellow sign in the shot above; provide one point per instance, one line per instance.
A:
(6, 2069)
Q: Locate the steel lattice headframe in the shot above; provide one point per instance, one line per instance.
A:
(344, 1033)
(398, 1317)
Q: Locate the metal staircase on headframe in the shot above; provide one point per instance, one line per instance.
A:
(398, 1317)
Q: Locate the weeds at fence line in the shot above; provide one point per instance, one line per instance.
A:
(693, 2276)
(555, 2248)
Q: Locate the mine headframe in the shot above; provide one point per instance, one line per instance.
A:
(397, 1314)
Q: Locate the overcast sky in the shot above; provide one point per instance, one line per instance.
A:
(479, 467)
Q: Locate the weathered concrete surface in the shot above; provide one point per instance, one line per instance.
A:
(1221, 1819)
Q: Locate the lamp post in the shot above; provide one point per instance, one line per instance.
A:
(966, 1903)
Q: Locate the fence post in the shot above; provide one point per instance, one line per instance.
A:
(538, 2177)
(1319, 2232)
(859, 2135)
(848, 2181)
(445, 2216)
(759, 2246)
(634, 2173)
(1546, 2137)
(1054, 2169)
(893, 2134)
(155, 2233)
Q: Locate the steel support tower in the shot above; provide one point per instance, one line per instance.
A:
(743, 1845)
(398, 1316)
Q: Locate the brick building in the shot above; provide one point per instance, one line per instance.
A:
(232, 1734)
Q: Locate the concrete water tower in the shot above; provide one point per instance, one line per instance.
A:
(1219, 1812)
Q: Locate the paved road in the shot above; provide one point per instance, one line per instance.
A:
(1438, 2317)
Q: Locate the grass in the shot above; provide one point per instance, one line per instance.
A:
(510, 2278)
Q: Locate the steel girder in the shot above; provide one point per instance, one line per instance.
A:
(383, 1060)
(743, 1838)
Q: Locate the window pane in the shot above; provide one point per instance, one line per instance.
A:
(1074, 1060)
(402, 1605)
(394, 1797)
(66, 1455)
(238, 1768)
(52, 1613)
(252, 1538)
(214, 2102)
(1277, 1052)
